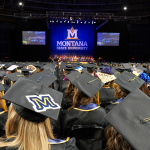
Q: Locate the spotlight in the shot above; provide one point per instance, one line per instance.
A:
(94, 22)
(81, 22)
(125, 8)
(50, 21)
(20, 3)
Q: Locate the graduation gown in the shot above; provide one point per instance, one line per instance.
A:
(3, 119)
(110, 107)
(57, 144)
(91, 114)
(106, 96)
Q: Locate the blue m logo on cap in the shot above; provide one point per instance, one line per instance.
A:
(42, 102)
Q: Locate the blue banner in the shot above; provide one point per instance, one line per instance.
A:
(72, 39)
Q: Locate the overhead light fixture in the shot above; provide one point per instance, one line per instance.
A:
(125, 8)
(20, 3)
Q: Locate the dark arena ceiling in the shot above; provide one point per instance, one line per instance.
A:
(137, 10)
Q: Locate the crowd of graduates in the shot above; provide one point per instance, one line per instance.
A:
(74, 106)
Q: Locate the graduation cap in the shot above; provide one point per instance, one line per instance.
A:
(31, 67)
(126, 65)
(141, 68)
(116, 73)
(12, 67)
(88, 84)
(15, 76)
(44, 78)
(105, 78)
(25, 71)
(33, 101)
(90, 67)
(38, 75)
(131, 119)
(46, 67)
(68, 69)
(128, 82)
(72, 76)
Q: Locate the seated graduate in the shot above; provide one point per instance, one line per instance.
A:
(28, 125)
(85, 109)
(65, 81)
(25, 72)
(106, 94)
(67, 101)
(125, 83)
(129, 123)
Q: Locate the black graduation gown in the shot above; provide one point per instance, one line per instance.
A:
(68, 144)
(106, 96)
(3, 119)
(110, 107)
(68, 119)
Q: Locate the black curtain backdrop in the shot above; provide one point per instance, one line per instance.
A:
(112, 53)
(31, 52)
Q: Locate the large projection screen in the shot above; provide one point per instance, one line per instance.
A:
(33, 38)
(108, 39)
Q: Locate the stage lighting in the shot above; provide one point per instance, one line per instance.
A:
(77, 21)
(60, 21)
(85, 22)
(68, 21)
(81, 22)
(20, 3)
(125, 8)
(92, 22)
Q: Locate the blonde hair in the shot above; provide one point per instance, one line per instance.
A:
(29, 135)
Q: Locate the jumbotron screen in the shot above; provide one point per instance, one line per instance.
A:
(108, 39)
(33, 38)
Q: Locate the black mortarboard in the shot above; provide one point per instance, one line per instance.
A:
(36, 76)
(126, 65)
(44, 79)
(48, 68)
(68, 69)
(116, 73)
(15, 76)
(72, 76)
(25, 71)
(33, 101)
(131, 118)
(90, 67)
(129, 81)
(141, 68)
(88, 84)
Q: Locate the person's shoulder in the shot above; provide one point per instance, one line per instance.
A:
(66, 144)
(110, 107)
